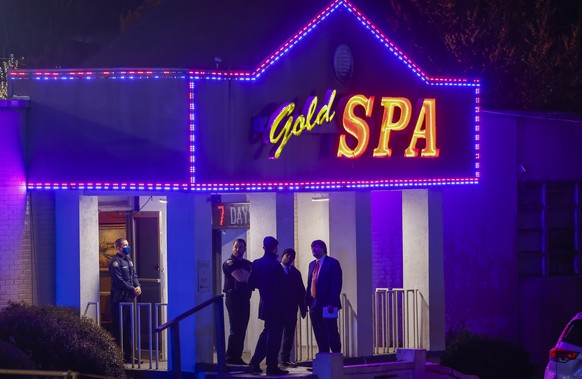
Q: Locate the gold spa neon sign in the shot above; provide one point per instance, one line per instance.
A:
(283, 125)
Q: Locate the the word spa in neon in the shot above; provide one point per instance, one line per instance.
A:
(359, 129)
(282, 125)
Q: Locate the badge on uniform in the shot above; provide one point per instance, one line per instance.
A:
(229, 262)
(115, 264)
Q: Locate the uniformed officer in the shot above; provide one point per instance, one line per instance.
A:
(236, 271)
(124, 288)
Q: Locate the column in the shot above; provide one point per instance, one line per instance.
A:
(189, 266)
(77, 247)
(422, 240)
(350, 241)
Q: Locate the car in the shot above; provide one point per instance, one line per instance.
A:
(566, 356)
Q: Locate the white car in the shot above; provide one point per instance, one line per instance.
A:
(566, 357)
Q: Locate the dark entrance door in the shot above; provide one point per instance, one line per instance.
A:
(147, 260)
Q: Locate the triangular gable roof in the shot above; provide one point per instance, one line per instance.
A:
(190, 34)
(265, 64)
(312, 25)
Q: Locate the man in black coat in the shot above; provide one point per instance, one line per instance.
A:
(268, 276)
(294, 299)
(236, 271)
(324, 285)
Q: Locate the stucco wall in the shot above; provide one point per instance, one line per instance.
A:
(548, 150)
(481, 281)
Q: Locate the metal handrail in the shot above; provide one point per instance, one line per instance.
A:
(158, 307)
(396, 310)
(131, 328)
(148, 307)
(97, 313)
(174, 326)
(61, 374)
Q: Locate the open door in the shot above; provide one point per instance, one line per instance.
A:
(146, 226)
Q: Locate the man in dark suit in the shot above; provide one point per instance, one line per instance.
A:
(324, 285)
(268, 276)
(294, 299)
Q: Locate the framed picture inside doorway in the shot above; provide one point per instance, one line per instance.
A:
(108, 233)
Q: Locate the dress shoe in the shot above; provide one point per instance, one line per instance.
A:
(255, 369)
(288, 363)
(275, 371)
(236, 361)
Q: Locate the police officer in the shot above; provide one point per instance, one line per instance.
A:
(236, 271)
(124, 288)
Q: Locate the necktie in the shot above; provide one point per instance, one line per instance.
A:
(314, 278)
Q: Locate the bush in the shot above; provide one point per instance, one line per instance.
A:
(13, 358)
(486, 357)
(55, 338)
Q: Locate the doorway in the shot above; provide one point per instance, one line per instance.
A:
(140, 220)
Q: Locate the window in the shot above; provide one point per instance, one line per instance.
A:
(548, 228)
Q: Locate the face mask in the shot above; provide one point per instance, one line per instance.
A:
(126, 250)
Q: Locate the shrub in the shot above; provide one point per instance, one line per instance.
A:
(55, 338)
(11, 357)
(488, 358)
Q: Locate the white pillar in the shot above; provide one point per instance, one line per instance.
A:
(285, 221)
(77, 250)
(351, 243)
(263, 223)
(190, 274)
(422, 240)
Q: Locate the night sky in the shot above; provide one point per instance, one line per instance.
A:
(80, 33)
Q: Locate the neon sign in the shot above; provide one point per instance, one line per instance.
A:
(283, 125)
(386, 136)
(295, 126)
(231, 215)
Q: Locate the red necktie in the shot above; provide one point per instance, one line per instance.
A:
(314, 278)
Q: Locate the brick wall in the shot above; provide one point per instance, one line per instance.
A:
(15, 243)
(386, 215)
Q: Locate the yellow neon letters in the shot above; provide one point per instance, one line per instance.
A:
(281, 134)
(427, 116)
(388, 124)
(396, 117)
(359, 128)
(356, 127)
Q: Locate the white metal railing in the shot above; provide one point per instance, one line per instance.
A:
(305, 345)
(396, 319)
(135, 320)
(97, 318)
(396, 324)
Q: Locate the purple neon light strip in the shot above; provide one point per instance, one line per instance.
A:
(251, 76)
(286, 47)
(192, 128)
(248, 187)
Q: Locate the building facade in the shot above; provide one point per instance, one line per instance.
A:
(479, 211)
